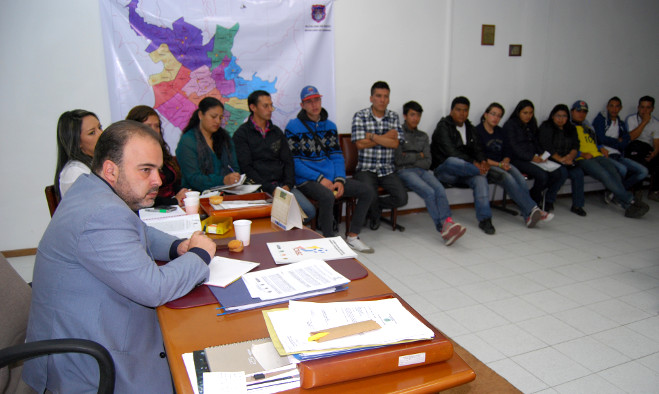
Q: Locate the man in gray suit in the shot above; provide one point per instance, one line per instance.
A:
(95, 276)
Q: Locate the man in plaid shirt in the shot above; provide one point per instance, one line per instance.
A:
(375, 132)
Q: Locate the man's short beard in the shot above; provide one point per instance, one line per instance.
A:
(135, 202)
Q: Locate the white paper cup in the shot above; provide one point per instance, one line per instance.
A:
(192, 194)
(242, 229)
(191, 205)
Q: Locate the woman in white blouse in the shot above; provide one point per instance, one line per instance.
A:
(77, 133)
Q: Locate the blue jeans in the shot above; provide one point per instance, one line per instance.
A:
(577, 183)
(630, 171)
(305, 204)
(424, 183)
(605, 171)
(457, 171)
(515, 185)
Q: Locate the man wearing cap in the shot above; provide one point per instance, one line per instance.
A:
(593, 161)
(320, 167)
(376, 132)
(644, 147)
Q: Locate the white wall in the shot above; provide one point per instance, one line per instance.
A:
(428, 50)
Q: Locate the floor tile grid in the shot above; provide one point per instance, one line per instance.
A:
(580, 269)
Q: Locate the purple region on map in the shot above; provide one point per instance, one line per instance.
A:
(184, 40)
(225, 87)
(201, 82)
(178, 110)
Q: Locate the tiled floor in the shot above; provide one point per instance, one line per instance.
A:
(569, 307)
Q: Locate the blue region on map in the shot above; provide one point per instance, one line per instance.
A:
(245, 87)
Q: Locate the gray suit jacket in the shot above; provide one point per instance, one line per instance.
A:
(95, 278)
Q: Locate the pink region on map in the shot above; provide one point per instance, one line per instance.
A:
(226, 87)
(164, 91)
(195, 99)
(178, 110)
(200, 83)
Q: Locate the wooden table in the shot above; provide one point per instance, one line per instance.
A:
(187, 330)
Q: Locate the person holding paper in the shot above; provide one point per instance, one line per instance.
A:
(95, 276)
(612, 133)
(263, 152)
(521, 129)
(593, 160)
(205, 151)
(497, 152)
(320, 167)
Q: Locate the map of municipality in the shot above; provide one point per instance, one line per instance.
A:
(171, 63)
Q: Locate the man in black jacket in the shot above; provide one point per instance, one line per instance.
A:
(263, 153)
(455, 162)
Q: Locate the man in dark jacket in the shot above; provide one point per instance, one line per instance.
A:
(455, 162)
(263, 153)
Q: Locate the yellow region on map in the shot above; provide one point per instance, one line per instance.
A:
(238, 103)
(171, 66)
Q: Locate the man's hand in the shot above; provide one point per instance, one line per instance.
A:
(327, 183)
(338, 189)
(650, 156)
(288, 189)
(537, 159)
(199, 240)
(587, 156)
(604, 151)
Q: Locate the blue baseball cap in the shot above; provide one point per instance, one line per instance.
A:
(309, 92)
(580, 105)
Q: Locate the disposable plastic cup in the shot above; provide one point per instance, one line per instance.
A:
(242, 228)
(191, 205)
(192, 194)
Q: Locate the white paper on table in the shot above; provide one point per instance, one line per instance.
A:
(224, 271)
(235, 204)
(188, 361)
(305, 276)
(243, 189)
(154, 213)
(224, 382)
(332, 248)
(294, 325)
(181, 226)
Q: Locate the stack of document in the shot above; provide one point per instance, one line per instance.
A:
(290, 329)
(276, 285)
(172, 221)
(251, 366)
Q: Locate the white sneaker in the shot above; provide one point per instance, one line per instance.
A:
(358, 245)
(546, 216)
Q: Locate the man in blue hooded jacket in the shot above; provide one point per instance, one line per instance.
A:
(320, 167)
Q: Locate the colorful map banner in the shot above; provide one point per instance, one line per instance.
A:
(170, 54)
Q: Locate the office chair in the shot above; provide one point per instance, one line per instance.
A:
(52, 198)
(14, 308)
(351, 156)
